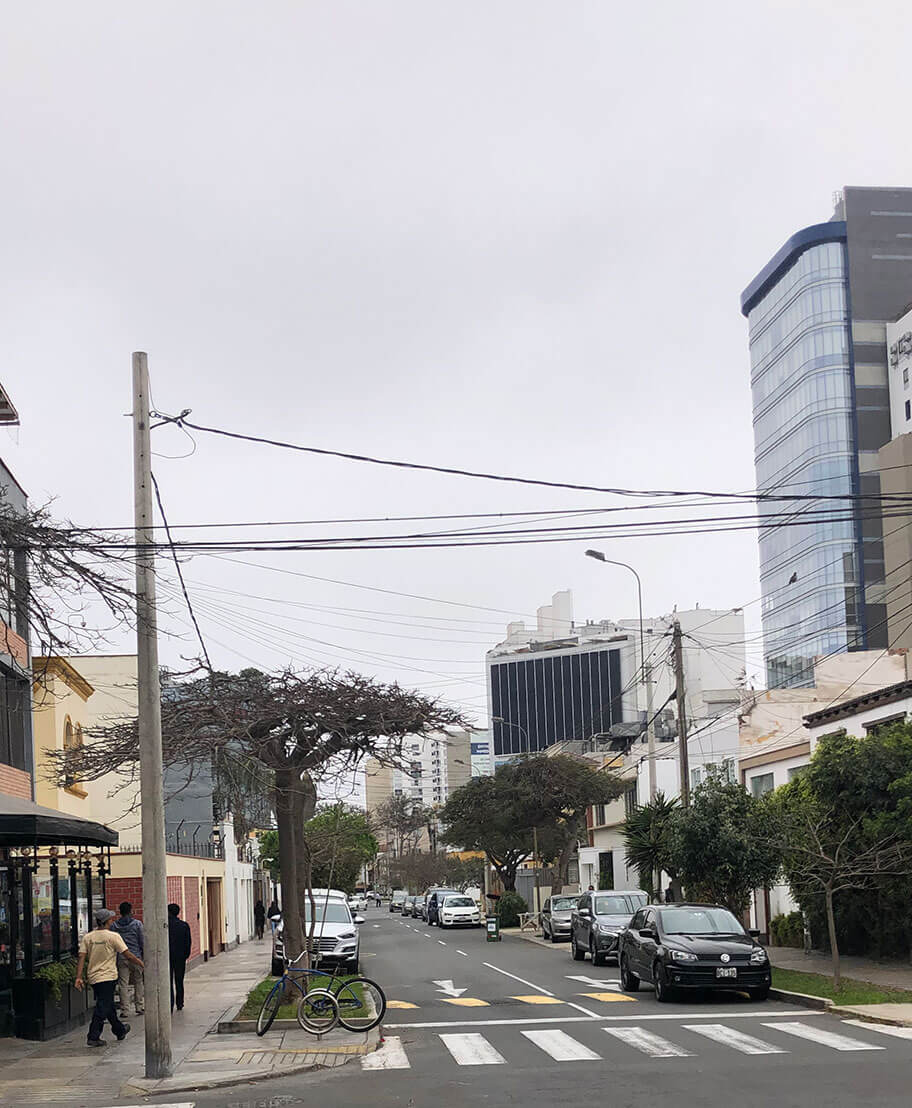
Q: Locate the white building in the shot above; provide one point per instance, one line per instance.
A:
(899, 347)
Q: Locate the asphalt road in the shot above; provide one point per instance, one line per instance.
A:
(516, 1023)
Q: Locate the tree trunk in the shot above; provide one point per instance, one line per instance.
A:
(834, 945)
(288, 863)
(304, 803)
(561, 868)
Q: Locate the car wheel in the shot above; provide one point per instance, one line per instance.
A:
(759, 994)
(630, 983)
(278, 967)
(663, 991)
(578, 955)
(552, 936)
(352, 967)
(597, 959)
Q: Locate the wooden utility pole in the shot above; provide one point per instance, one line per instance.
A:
(684, 761)
(650, 729)
(155, 897)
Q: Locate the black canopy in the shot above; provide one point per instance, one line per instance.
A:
(24, 823)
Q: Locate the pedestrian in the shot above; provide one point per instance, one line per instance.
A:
(179, 944)
(131, 931)
(591, 888)
(259, 918)
(274, 914)
(100, 948)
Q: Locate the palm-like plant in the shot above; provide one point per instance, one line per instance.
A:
(648, 833)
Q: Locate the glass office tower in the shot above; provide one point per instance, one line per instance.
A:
(817, 316)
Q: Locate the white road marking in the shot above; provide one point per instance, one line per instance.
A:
(589, 1019)
(449, 988)
(522, 980)
(825, 1038)
(375, 925)
(472, 1050)
(561, 1046)
(390, 1056)
(594, 981)
(585, 1011)
(653, 1045)
(728, 1036)
(463, 953)
(883, 1028)
(442, 943)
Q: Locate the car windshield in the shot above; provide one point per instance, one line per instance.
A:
(332, 912)
(612, 906)
(459, 902)
(563, 903)
(700, 921)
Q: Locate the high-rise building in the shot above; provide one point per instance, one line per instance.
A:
(818, 314)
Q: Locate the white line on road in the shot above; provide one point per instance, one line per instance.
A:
(883, 1028)
(589, 1019)
(728, 1036)
(586, 1011)
(390, 1056)
(594, 981)
(561, 1046)
(825, 1038)
(472, 1050)
(653, 1045)
(522, 980)
(442, 943)
(463, 953)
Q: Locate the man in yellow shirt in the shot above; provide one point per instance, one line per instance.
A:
(100, 949)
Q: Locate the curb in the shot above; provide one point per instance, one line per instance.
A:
(143, 1087)
(871, 1017)
(805, 1000)
(237, 1027)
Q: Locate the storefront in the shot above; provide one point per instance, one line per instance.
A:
(52, 879)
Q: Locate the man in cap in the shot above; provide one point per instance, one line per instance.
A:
(99, 948)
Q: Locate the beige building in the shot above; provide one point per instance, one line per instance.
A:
(60, 715)
(895, 461)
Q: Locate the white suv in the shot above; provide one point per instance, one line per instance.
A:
(458, 910)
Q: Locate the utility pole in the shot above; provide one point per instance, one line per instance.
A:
(155, 897)
(537, 873)
(682, 714)
(650, 729)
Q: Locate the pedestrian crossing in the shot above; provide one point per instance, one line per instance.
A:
(686, 1040)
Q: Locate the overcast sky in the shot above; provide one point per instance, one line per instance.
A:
(506, 236)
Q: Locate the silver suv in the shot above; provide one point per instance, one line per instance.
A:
(598, 920)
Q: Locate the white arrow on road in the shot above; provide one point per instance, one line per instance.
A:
(595, 981)
(448, 988)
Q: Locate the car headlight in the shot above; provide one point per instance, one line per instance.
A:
(758, 956)
(683, 956)
(347, 935)
(606, 929)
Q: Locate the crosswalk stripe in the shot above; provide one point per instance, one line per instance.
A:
(825, 1038)
(883, 1028)
(653, 1045)
(472, 1050)
(390, 1056)
(728, 1036)
(560, 1046)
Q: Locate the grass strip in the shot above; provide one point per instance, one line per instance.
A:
(850, 991)
(289, 1011)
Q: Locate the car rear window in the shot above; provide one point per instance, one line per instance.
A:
(613, 906)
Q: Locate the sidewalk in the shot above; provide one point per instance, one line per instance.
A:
(889, 975)
(64, 1069)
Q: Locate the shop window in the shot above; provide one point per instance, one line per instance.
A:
(42, 913)
(66, 913)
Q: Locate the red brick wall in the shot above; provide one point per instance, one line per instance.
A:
(15, 782)
(191, 914)
(174, 891)
(118, 889)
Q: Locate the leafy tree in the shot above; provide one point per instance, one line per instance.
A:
(269, 853)
(509, 907)
(487, 814)
(649, 841)
(403, 819)
(338, 841)
(721, 844)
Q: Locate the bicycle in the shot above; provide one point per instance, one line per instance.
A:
(356, 1003)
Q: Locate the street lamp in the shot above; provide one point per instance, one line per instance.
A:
(521, 730)
(646, 677)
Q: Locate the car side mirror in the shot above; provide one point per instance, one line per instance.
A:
(359, 919)
(647, 933)
(584, 912)
(754, 933)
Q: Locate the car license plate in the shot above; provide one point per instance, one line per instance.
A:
(726, 971)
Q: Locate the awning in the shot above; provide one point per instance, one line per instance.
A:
(24, 823)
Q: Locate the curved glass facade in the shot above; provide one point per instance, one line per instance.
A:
(804, 443)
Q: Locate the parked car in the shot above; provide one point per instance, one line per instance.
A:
(357, 902)
(598, 920)
(555, 914)
(692, 946)
(418, 912)
(335, 935)
(459, 910)
(432, 903)
(397, 900)
(408, 907)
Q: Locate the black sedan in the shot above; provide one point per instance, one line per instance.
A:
(692, 946)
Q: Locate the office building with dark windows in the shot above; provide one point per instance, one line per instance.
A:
(817, 314)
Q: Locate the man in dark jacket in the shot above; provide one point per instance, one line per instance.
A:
(179, 943)
(129, 973)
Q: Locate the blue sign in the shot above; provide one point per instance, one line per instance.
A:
(480, 748)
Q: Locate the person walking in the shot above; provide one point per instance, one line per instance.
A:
(98, 953)
(274, 914)
(259, 918)
(131, 931)
(179, 944)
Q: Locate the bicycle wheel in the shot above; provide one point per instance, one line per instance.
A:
(318, 1011)
(362, 1004)
(270, 1009)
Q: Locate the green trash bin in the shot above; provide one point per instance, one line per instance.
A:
(493, 926)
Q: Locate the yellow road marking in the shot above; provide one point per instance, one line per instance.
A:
(607, 998)
(400, 1004)
(538, 999)
(465, 1001)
